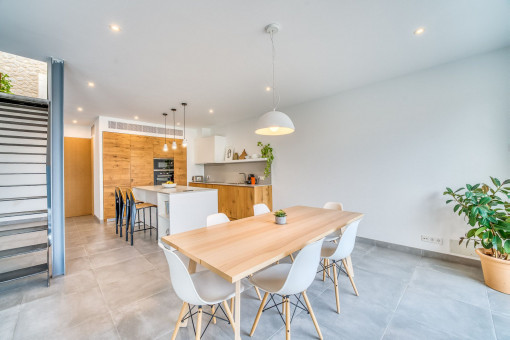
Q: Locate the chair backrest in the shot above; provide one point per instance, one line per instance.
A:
(333, 206)
(259, 209)
(346, 243)
(217, 219)
(181, 279)
(303, 270)
(130, 207)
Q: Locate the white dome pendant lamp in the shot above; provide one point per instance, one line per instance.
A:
(165, 146)
(274, 123)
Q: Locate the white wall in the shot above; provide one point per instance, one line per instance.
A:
(79, 131)
(389, 149)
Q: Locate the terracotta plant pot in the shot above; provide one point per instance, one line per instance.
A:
(496, 272)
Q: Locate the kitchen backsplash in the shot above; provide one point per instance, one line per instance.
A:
(229, 173)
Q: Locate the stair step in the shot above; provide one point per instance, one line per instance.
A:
(23, 230)
(24, 272)
(23, 213)
(22, 250)
(21, 198)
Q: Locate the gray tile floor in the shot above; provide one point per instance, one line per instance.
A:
(113, 290)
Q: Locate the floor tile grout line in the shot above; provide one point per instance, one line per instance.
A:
(107, 306)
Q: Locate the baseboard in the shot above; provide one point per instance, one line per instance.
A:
(420, 252)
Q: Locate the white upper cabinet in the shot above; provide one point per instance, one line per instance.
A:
(210, 149)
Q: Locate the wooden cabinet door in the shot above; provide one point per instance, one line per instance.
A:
(142, 161)
(78, 176)
(179, 156)
(116, 159)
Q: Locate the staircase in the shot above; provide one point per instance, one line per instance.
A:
(24, 234)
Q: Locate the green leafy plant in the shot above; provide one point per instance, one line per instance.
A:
(487, 209)
(266, 151)
(5, 83)
(280, 213)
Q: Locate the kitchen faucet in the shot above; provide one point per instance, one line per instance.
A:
(242, 173)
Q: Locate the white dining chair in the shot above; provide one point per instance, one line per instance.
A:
(199, 289)
(259, 209)
(335, 252)
(285, 280)
(219, 218)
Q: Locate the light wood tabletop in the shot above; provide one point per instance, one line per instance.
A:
(236, 249)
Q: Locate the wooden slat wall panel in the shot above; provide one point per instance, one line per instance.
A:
(77, 176)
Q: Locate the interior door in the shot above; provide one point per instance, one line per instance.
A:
(78, 176)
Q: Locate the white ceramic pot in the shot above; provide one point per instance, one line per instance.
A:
(281, 220)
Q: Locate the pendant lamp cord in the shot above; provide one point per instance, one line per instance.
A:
(184, 137)
(274, 83)
(174, 125)
(165, 128)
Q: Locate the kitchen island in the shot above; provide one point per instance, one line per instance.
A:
(236, 200)
(181, 208)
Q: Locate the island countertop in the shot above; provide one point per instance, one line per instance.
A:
(180, 189)
(233, 184)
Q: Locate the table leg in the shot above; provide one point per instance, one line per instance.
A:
(237, 312)
(192, 268)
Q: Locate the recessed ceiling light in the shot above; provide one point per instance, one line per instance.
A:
(115, 28)
(136, 117)
(419, 31)
(211, 111)
(91, 84)
(268, 88)
(75, 121)
(80, 109)
(178, 123)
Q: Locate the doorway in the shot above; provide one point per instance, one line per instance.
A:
(78, 176)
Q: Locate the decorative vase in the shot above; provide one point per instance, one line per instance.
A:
(496, 272)
(281, 220)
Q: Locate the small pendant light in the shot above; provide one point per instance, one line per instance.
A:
(165, 147)
(174, 144)
(274, 122)
(184, 141)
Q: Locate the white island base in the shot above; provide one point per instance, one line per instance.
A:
(180, 209)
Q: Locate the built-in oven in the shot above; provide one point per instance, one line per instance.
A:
(163, 170)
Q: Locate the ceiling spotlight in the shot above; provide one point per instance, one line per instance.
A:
(115, 28)
(91, 84)
(75, 121)
(80, 109)
(211, 111)
(136, 117)
(268, 88)
(178, 123)
(419, 31)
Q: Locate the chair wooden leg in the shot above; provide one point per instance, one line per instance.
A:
(199, 323)
(232, 305)
(292, 257)
(178, 324)
(327, 263)
(259, 313)
(335, 280)
(309, 306)
(350, 278)
(213, 309)
(287, 319)
(258, 293)
(324, 270)
(349, 269)
(229, 315)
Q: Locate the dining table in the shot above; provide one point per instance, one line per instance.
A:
(239, 248)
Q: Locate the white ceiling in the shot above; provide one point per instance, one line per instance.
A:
(215, 54)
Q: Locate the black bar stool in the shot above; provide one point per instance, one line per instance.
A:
(133, 208)
(120, 209)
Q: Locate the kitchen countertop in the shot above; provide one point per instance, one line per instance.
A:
(233, 184)
(180, 189)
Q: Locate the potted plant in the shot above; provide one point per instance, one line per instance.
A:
(280, 217)
(266, 151)
(5, 83)
(487, 210)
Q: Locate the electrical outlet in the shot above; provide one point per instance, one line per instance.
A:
(431, 239)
